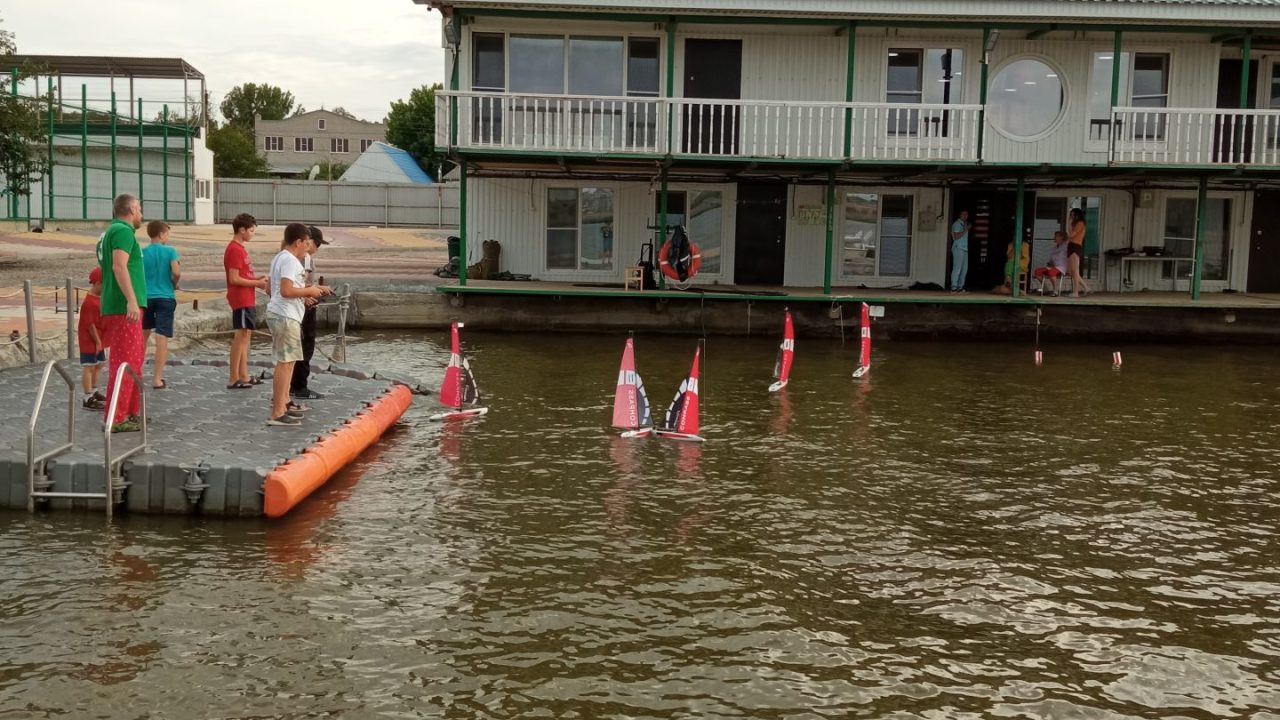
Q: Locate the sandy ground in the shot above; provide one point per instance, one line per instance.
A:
(367, 258)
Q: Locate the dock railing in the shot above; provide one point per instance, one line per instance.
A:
(38, 490)
(1195, 136)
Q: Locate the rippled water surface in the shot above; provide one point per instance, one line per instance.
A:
(963, 535)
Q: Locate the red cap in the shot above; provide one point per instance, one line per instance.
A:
(95, 275)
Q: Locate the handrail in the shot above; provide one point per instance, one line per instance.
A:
(32, 458)
(106, 432)
(707, 101)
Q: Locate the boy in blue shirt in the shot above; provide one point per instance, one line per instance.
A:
(160, 263)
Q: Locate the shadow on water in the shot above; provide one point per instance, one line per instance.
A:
(960, 534)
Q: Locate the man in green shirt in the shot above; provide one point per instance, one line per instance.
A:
(123, 283)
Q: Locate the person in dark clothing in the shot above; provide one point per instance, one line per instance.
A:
(298, 388)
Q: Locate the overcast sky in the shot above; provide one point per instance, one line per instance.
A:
(360, 55)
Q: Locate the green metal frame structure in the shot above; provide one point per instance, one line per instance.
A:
(671, 158)
(87, 176)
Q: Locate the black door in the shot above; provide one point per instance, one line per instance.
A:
(1232, 138)
(761, 242)
(712, 70)
(993, 213)
(1264, 243)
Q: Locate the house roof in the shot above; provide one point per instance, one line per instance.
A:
(386, 164)
(1261, 13)
(327, 113)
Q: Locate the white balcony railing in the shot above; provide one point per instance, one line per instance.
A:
(709, 128)
(1195, 136)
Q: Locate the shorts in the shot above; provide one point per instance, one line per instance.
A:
(243, 319)
(1050, 272)
(286, 338)
(1073, 249)
(158, 315)
(91, 359)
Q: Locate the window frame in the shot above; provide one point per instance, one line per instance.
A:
(625, 37)
(339, 146)
(267, 143)
(366, 143)
(921, 49)
(1235, 206)
(299, 141)
(1063, 81)
(577, 270)
(320, 123)
(912, 244)
(1093, 144)
(728, 225)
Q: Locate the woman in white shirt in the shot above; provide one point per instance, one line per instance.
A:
(288, 284)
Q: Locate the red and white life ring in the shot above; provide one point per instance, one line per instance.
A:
(695, 262)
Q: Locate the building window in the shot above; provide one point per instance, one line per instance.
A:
(366, 143)
(489, 62)
(930, 76)
(320, 124)
(579, 229)
(1026, 99)
(204, 189)
(702, 214)
(339, 145)
(302, 144)
(274, 143)
(537, 64)
(876, 235)
(1144, 83)
(1180, 236)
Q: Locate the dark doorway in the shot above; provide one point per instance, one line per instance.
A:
(1264, 243)
(1232, 137)
(993, 213)
(761, 242)
(712, 70)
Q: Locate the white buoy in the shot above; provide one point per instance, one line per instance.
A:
(1116, 362)
(1039, 357)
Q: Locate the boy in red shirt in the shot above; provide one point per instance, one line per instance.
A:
(241, 284)
(92, 348)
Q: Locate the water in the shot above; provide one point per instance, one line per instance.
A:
(964, 535)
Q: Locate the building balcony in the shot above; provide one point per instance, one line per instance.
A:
(1195, 137)
(832, 132)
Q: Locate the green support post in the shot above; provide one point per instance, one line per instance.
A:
(186, 171)
(49, 213)
(848, 91)
(164, 164)
(1202, 200)
(84, 152)
(1246, 49)
(141, 198)
(453, 86)
(1017, 234)
(831, 214)
(113, 146)
(982, 92)
(462, 221)
(671, 90)
(662, 227)
(1115, 91)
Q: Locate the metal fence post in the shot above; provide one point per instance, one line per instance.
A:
(49, 214)
(330, 183)
(386, 205)
(164, 177)
(142, 198)
(439, 206)
(275, 188)
(114, 145)
(71, 322)
(84, 152)
(31, 321)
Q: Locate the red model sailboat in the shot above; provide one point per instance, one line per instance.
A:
(682, 415)
(459, 390)
(864, 357)
(631, 410)
(786, 354)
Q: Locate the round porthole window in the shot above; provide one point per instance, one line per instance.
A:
(1026, 98)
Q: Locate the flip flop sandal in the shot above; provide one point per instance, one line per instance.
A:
(164, 385)
(255, 380)
(239, 385)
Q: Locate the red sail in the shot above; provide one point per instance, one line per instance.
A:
(864, 358)
(786, 351)
(626, 405)
(688, 422)
(451, 388)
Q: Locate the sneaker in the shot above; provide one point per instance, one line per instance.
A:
(306, 394)
(130, 425)
(285, 420)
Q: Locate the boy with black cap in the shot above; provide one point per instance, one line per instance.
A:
(298, 388)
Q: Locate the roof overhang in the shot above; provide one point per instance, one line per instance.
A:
(107, 66)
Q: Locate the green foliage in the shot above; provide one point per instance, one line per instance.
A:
(235, 155)
(411, 126)
(24, 133)
(245, 101)
(331, 171)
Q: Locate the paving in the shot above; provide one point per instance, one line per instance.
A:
(209, 448)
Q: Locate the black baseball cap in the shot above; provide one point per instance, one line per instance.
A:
(316, 236)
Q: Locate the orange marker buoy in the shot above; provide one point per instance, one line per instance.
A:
(1115, 360)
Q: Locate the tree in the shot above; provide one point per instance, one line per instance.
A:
(343, 112)
(245, 101)
(234, 154)
(330, 170)
(411, 126)
(24, 136)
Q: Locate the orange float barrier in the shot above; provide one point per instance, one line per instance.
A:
(288, 484)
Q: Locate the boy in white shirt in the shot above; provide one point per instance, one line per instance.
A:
(288, 285)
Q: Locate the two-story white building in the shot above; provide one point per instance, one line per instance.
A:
(830, 143)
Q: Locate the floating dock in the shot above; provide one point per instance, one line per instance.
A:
(208, 449)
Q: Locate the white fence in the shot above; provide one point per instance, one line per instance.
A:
(277, 202)
(1196, 136)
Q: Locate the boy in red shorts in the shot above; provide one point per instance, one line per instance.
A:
(92, 348)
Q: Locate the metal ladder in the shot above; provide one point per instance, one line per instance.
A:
(113, 480)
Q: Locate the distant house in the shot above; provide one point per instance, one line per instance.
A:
(294, 145)
(383, 163)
